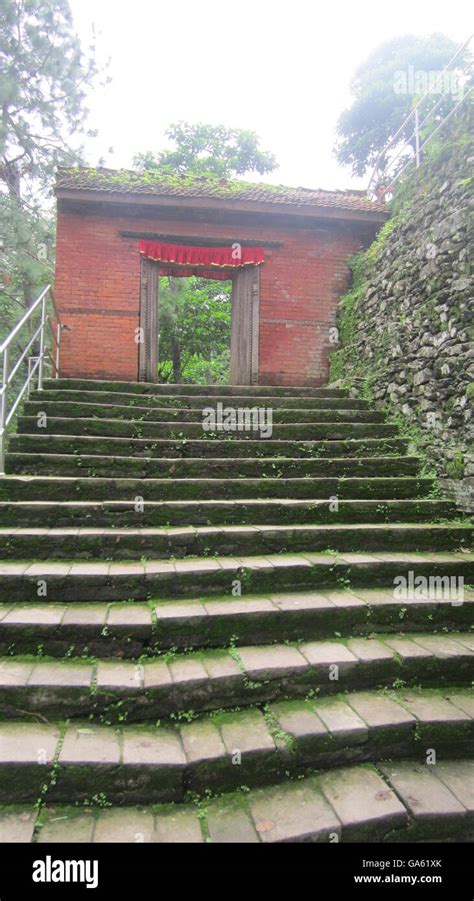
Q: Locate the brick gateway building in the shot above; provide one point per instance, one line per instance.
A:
(286, 250)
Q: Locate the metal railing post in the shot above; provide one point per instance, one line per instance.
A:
(41, 351)
(3, 410)
(58, 348)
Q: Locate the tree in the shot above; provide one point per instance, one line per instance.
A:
(385, 89)
(45, 76)
(209, 150)
(195, 316)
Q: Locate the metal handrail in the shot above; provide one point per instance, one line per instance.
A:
(35, 363)
(378, 174)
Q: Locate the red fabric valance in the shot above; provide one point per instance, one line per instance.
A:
(219, 257)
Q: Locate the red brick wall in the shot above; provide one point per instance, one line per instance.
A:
(98, 278)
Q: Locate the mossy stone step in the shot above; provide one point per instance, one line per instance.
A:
(33, 487)
(179, 448)
(144, 690)
(117, 581)
(123, 428)
(68, 410)
(134, 629)
(208, 390)
(348, 804)
(180, 542)
(163, 763)
(145, 401)
(126, 514)
(71, 464)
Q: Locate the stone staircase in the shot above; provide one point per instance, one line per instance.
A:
(200, 635)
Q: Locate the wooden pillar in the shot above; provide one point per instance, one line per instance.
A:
(148, 346)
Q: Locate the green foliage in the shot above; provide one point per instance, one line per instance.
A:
(195, 320)
(45, 78)
(208, 150)
(455, 467)
(380, 106)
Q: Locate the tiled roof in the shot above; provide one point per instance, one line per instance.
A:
(126, 181)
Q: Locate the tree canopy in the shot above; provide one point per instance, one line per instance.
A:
(195, 317)
(45, 76)
(380, 102)
(209, 150)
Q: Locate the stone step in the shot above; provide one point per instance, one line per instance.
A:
(147, 402)
(143, 690)
(137, 629)
(164, 763)
(204, 448)
(206, 390)
(205, 541)
(28, 487)
(376, 802)
(176, 429)
(71, 464)
(68, 410)
(126, 514)
(117, 581)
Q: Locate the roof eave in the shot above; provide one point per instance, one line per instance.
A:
(213, 203)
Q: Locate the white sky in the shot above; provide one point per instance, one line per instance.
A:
(281, 69)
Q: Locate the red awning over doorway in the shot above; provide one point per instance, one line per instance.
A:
(206, 262)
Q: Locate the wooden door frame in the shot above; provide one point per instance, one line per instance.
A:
(244, 326)
(149, 319)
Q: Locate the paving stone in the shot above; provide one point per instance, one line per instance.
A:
(247, 733)
(146, 747)
(380, 712)
(202, 741)
(370, 651)
(126, 825)
(293, 813)
(179, 826)
(220, 666)
(81, 614)
(431, 708)
(124, 676)
(28, 743)
(458, 777)
(17, 826)
(193, 610)
(156, 675)
(29, 614)
(238, 608)
(425, 796)
(365, 805)
(326, 654)
(442, 646)
(342, 721)
(272, 662)
(13, 673)
(464, 702)
(229, 823)
(188, 670)
(67, 827)
(409, 651)
(299, 721)
(309, 601)
(90, 745)
(127, 615)
(61, 675)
